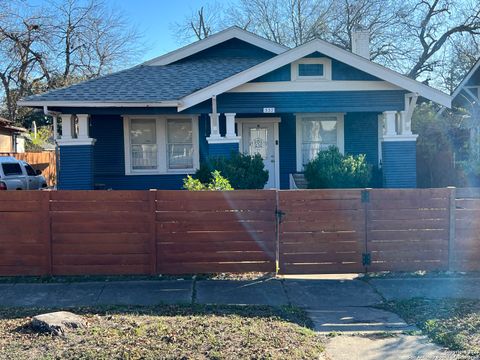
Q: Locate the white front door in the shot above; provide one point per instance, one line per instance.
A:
(259, 138)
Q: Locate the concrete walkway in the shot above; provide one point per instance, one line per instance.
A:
(345, 307)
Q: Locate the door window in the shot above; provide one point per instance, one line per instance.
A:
(258, 141)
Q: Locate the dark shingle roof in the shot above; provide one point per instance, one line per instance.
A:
(145, 83)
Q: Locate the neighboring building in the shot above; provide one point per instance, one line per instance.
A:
(148, 126)
(11, 137)
(467, 97)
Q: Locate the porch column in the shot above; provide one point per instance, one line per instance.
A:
(399, 151)
(230, 119)
(75, 165)
(214, 126)
(222, 145)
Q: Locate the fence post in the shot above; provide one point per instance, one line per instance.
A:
(153, 230)
(452, 227)
(46, 231)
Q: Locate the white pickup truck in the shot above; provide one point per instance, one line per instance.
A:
(19, 175)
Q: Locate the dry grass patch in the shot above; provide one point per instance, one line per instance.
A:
(167, 332)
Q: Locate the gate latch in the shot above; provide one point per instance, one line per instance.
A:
(366, 259)
(279, 214)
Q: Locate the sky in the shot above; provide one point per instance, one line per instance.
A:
(154, 18)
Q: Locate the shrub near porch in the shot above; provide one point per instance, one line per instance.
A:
(331, 169)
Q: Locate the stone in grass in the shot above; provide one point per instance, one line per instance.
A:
(57, 323)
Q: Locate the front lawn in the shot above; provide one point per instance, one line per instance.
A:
(167, 332)
(452, 323)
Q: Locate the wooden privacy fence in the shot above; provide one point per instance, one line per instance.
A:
(43, 160)
(294, 232)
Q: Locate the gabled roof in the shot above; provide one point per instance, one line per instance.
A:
(10, 126)
(467, 77)
(327, 49)
(215, 39)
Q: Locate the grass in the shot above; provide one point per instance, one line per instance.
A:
(167, 332)
(453, 323)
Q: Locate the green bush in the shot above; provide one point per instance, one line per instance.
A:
(331, 169)
(217, 182)
(242, 171)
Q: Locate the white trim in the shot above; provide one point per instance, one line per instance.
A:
(223, 140)
(299, 136)
(215, 39)
(329, 50)
(319, 85)
(276, 139)
(327, 69)
(161, 135)
(380, 136)
(400, 138)
(98, 103)
(257, 119)
(467, 77)
(75, 142)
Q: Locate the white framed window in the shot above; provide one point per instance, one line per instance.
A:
(161, 144)
(317, 132)
(311, 69)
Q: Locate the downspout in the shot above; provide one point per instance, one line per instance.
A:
(54, 115)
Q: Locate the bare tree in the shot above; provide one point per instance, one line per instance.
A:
(415, 37)
(429, 24)
(59, 43)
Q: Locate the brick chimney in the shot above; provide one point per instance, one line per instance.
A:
(361, 43)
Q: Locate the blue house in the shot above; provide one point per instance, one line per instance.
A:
(150, 125)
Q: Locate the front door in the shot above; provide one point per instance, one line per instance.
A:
(259, 138)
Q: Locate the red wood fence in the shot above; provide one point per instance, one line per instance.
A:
(174, 232)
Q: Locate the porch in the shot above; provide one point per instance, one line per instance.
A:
(156, 151)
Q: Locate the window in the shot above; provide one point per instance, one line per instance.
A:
(317, 132)
(30, 171)
(180, 144)
(143, 141)
(11, 169)
(160, 145)
(311, 69)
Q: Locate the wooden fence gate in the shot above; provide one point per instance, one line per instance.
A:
(341, 231)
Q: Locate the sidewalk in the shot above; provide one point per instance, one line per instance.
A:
(345, 307)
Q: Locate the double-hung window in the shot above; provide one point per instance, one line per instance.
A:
(160, 145)
(315, 133)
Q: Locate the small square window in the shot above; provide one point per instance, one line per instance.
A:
(310, 70)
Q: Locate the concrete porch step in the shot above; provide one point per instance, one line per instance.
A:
(300, 181)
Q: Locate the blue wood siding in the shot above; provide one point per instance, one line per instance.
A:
(109, 159)
(75, 171)
(291, 102)
(340, 71)
(361, 135)
(224, 149)
(287, 149)
(399, 164)
(230, 49)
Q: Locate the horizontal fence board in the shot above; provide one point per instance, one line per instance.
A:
(407, 214)
(216, 216)
(409, 266)
(82, 206)
(92, 217)
(205, 236)
(215, 204)
(100, 269)
(167, 227)
(214, 267)
(467, 193)
(99, 195)
(226, 245)
(325, 268)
